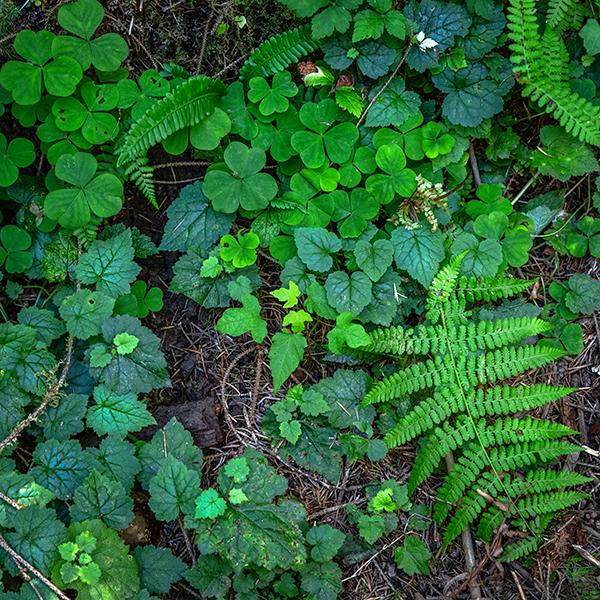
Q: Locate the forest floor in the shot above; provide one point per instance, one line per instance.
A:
(221, 386)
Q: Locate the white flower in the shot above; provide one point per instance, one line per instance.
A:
(425, 43)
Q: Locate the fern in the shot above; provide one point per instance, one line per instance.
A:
(564, 14)
(141, 174)
(278, 52)
(540, 64)
(460, 410)
(186, 105)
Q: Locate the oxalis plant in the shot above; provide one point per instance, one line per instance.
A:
(362, 156)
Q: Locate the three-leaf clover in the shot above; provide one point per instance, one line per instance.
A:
(141, 95)
(273, 98)
(24, 80)
(245, 185)
(240, 252)
(88, 193)
(395, 179)
(92, 116)
(323, 139)
(14, 249)
(82, 18)
(434, 141)
(19, 153)
(353, 211)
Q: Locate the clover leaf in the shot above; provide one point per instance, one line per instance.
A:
(88, 193)
(395, 179)
(435, 141)
(92, 117)
(141, 95)
(245, 185)
(24, 80)
(323, 139)
(19, 153)
(14, 249)
(353, 212)
(82, 18)
(240, 252)
(273, 98)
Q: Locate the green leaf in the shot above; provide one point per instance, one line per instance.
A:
(14, 249)
(326, 541)
(117, 414)
(354, 211)
(61, 466)
(210, 576)
(139, 371)
(290, 431)
(159, 568)
(17, 154)
(100, 195)
(85, 312)
(245, 186)
(247, 319)
(471, 96)
(394, 106)
(413, 556)
(396, 178)
(172, 440)
(297, 320)
(240, 252)
(102, 498)
(315, 246)
(119, 577)
(210, 505)
(583, 296)
(192, 222)
(371, 527)
(207, 134)
(36, 536)
(562, 156)
(116, 459)
(590, 34)
(346, 334)
(482, 258)
(273, 98)
(288, 296)
(418, 251)
(285, 354)
(323, 581)
(348, 293)
(374, 258)
(64, 420)
(238, 469)
(173, 490)
(125, 343)
(47, 327)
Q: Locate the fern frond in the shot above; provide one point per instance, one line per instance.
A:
(491, 290)
(530, 544)
(576, 114)
(184, 106)
(556, 56)
(465, 473)
(505, 399)
(459, 359)
(563, 14)
(142, 175)
(278, 52)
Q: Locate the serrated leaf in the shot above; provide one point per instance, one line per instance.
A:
(192, 222)
(159, 568)
(374, 258)
(64, 420)
(326, 541)
(85, 312)
(116, 459)
(173, 490)
(394, 106)
(117, 414)
(109, 264)
(348, 293)
(102, 498)
(413, 556)
(418, 251)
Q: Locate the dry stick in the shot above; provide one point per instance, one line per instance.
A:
(188, 163)
(474, 165)
(50, 396)
(389, 80)
(16, 505)
(467, 543)
(21, 562)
